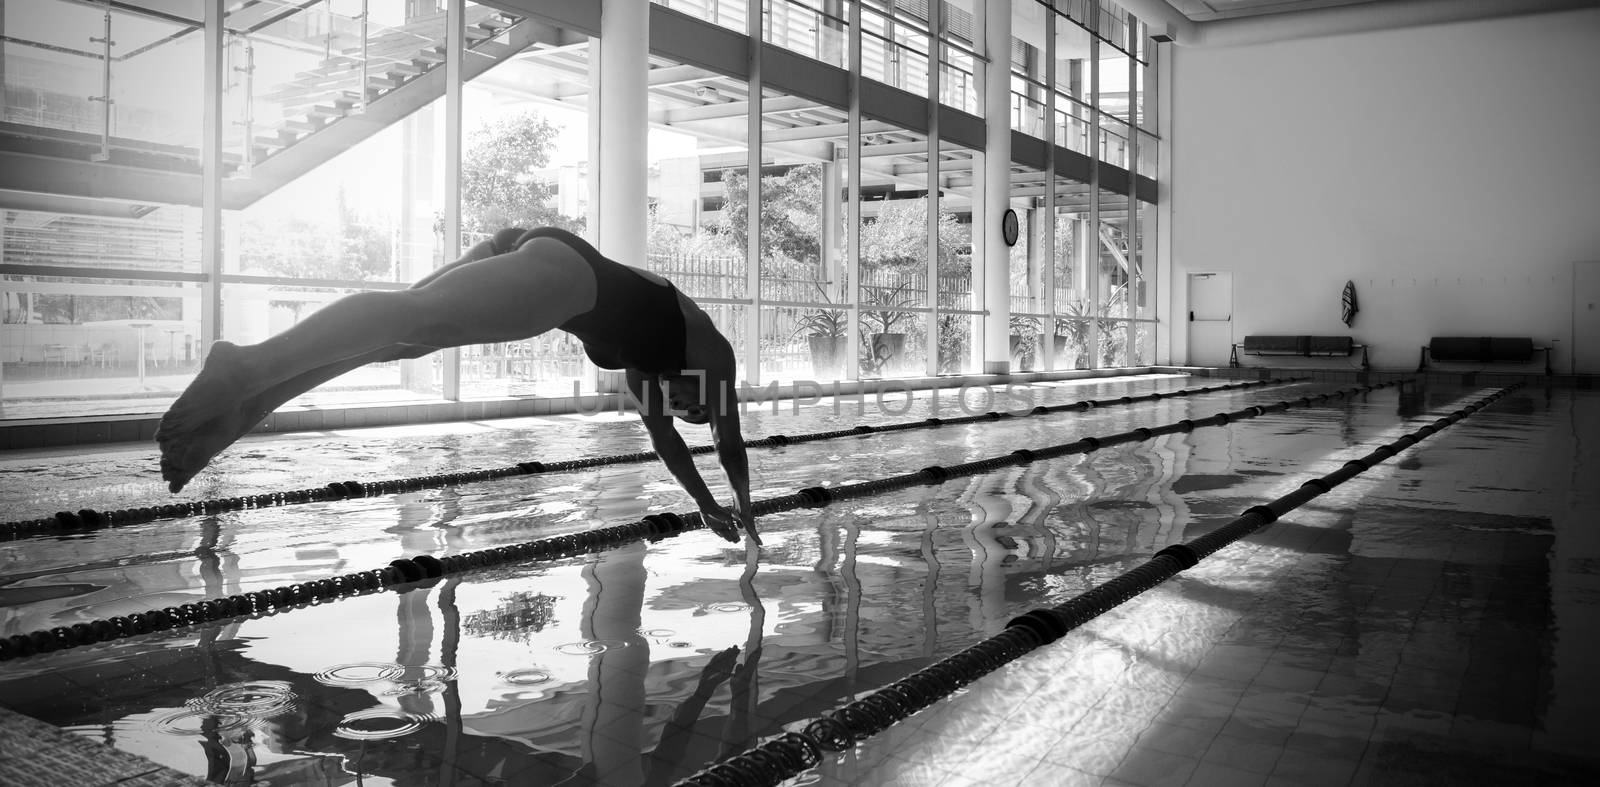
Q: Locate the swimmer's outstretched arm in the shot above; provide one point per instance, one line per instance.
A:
(674, 453)
(729, 440)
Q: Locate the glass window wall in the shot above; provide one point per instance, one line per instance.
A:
(312, 212)
(1073, 276)
(1026, 274)
(804, 280)
(894, 45)
(893, 289)
(732, 14)
(1074, 112)
(525, 154)
(959, 324)
(817, 29)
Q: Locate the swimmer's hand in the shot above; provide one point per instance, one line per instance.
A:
(727, 523)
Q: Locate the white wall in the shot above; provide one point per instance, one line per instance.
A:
(1452, 171)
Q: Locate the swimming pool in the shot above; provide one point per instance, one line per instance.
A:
(1430, 611)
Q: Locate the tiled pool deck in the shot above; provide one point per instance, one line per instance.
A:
(35, 754)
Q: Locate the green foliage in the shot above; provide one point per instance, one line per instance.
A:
(889, 301)
(898, 237)
(791, 214)
(500, 186)
(342, 246)
(832, 323)
(953, 340)
(674, 240)
(52, 309)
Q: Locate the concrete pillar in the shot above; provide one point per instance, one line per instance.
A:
(1092, 235)
(416, 255)
(454, 147)
(852, 201)
(753, 208)
(935, 186)
(832, 223)
(211, 178)
(995, 255)
(621, 131)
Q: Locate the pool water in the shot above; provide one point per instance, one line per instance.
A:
(1433, 617)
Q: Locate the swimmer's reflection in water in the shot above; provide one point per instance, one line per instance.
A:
(514, 286)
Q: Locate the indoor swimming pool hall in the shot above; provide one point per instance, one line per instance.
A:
(760, 393)
(1430, 620)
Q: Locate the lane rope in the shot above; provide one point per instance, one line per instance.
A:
(90, 519)
(805, 745)
(654, 527)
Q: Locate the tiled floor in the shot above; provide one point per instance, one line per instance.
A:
(35, 754)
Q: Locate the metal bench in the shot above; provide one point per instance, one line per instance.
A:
(1304, 346)
(1482, 349)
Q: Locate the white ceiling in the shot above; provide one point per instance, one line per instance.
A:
(1234, 22)
(1209, 10)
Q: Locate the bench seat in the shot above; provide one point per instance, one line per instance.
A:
(1304, 346)
(1483, 349)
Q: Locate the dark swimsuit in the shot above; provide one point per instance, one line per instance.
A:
(636, 322)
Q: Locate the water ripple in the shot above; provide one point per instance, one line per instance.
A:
(379, 723)
(230, 707)
(527, 676)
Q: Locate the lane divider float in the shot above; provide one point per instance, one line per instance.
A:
(792, 753)
(90, 519)
(654, 527)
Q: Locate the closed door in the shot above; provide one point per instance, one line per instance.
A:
(1585, 346)
(1210, 318)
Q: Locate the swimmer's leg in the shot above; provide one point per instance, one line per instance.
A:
(499, 298)
(185, 453)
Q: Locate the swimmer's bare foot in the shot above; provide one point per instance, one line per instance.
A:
(211, 414)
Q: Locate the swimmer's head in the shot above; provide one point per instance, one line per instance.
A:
(686, 398)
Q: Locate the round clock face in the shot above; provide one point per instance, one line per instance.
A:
(1008, 227)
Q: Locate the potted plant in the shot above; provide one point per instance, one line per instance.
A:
(953, 351)
(1024, 342)
(825, 330)
(1072, 339)
(885, 350)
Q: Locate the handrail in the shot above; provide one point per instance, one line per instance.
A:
(105, 99)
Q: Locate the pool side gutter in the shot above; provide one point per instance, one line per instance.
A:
(36, 754)
(24, 433)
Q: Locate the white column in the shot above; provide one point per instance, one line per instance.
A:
(211, 240)
(997, 185)
(1091, 260)
(622, 130)
(455, 70)
(1048, 251)
(935, 182)
(852, 206)
(754, 26)
(1135, 258)
(1171, 319)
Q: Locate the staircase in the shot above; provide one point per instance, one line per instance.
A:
(319, 113)
(334, 91)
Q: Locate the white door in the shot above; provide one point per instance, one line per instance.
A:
(1210, 318)
(1585, 346)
